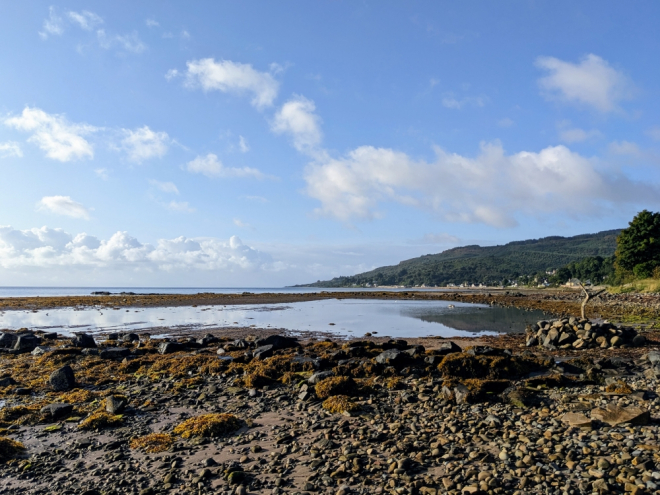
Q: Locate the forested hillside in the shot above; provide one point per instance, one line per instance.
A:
(520, 261)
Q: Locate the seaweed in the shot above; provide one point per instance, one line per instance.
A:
(336, 385)
(153, 443)
(339, 404)
(99, 420)
(208, 425)
(10, 448)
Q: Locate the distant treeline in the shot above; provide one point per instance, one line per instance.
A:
(552, 259)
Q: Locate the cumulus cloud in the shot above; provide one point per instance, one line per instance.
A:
(167, 187)
(232, 77)
(143, 143)
(591, 82)
(54, 134)
(211, 166)
(53, 24)
(63, 205)
(624, 148)
(492, 188)
(243, 225)
(48, 248)
(10, 148)
(86, 20)
(297, 119)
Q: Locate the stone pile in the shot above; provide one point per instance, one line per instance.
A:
(580, 333)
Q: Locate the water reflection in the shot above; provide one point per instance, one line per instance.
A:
(346, 317)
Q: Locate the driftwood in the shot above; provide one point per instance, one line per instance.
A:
(588, 297)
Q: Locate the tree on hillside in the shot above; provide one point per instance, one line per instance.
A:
(638, 246)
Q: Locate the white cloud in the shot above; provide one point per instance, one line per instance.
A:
(86, 20)
(232, 77)
(129, 42)
(167, 187)
(258, 199)
(180, 206)
(506, 122)
(53, 24)
(51, 248)
(493, 188)
(577, 135)
(143, 143)
(449, 101)
(211, 166)
(297, 119)
(102, 173)
(624, 148)
(63, 205)
(591, 82)
(171, 74)
(152, 23)
(654, 133)
(242, 225)
(10, 148)
(54, 134)
(242, 144)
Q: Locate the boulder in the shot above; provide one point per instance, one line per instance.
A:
(62, 379)
(278, 342)
(577, 420)
(57, 410)
(83, 340)
(39, 350)
(7, 339)
(26, 342)
(114, 405)
(130, 337)
(446, 348)
(317, 377)
(115, 352)
(415, 351)
(7, 381)
(263, 352)
(653, 357)
(170, 347)
(614, 415)
(391, 357)
(461, 394)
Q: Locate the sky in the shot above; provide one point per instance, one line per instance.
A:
(264, 144)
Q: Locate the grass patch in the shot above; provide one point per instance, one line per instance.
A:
(208, 425)
(643, 285)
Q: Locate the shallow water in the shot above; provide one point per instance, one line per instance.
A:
(345, 317)
(86, 291)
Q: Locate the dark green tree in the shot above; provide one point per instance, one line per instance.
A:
(638, 246)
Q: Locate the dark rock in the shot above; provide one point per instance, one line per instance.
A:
(62, 379)
(483, 350)
(263, 352)
(7, 339)
(395, 344)
(415, 351)
(131, 337)
(7, 381)
(638, 340)
(26, 342)
(170, 347)
(83, 340)
(112, 336)
(114, 405)
(116, 352)
(57, 410)
(446, 348)
(50, 336)
(278, 342)
(317, 377)
(90, 351)
(391, 357)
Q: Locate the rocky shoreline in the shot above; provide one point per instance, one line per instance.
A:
(271, 414)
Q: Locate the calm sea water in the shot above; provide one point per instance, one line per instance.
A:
(345, 317)
(85, 291)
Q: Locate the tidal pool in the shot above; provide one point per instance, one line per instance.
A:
(341, 317)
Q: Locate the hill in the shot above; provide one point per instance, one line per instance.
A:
(486, 265)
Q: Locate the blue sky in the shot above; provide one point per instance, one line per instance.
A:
(273, 143)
